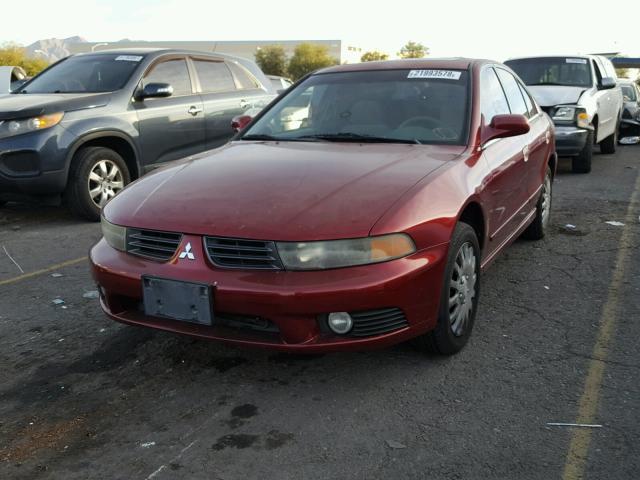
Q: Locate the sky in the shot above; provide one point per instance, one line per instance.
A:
(489, 29)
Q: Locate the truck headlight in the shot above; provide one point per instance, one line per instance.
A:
(115, 235)
(344, 253)
(571, 115)
(11, 128)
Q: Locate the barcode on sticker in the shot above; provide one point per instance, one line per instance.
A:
(576, 60)
(446, 74)
(129, 58)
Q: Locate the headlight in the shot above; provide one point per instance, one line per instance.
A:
(10, 128)
(574, 115)
(344, 253)
(115, 235)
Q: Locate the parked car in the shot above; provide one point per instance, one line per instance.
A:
(366, 226)
(11, 78)
(91, 123)
(581, 95)
(280, 84)
(630, 123)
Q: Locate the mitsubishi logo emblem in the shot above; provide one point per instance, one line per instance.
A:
(187, 252)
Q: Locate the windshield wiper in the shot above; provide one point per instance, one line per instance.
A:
(356, 137)
(555, 84)
(260, 136)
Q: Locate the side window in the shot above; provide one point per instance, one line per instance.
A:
(173, 72)
(512, 90)
(214, 76)
(531, 107)
(243, 78)
(600, 74)
(492, 99)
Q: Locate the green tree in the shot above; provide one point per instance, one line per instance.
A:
(16, 56)
(622, 72)
(373, 56)
(272, 60)
(413, 50)
(308, 57)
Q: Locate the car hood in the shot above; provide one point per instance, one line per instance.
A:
(278, 191)
(550, 95)
(27, 105)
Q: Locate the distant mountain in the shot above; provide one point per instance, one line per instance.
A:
(53, 49)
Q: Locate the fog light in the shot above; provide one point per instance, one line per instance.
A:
(340, 322)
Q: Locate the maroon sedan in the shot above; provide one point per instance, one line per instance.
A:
(356, 211)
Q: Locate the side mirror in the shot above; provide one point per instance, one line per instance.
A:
(155, 90)
(607, 83)
(238, 123)
(503, 126)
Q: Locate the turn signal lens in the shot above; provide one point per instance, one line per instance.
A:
(582, 119)
(391, 246)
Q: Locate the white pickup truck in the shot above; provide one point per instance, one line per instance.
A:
(582, 96)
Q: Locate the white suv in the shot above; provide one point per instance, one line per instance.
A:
(582, 96)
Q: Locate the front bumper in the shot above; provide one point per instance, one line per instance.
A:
(293, 302)
(35, 163)
(570, 140)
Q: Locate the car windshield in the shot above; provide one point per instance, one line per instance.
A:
(629, 93)
(572, 72)
(85, 74)
(386, 106)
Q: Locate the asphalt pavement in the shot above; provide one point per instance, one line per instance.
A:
(555, 341)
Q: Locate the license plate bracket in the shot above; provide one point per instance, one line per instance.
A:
(178, 300)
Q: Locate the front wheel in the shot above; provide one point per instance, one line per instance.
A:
(460, 293)
(97, 174)
(608, 145)
(582, 162)
(538, 228)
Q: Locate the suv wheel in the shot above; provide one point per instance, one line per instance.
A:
(582, 162)
(608, 145)
(97, 174)
(459, 299)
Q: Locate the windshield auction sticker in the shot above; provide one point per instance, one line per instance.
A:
(446, 74)
(128, 58)
(576, 60)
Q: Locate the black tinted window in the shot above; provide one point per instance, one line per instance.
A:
(214, 76)
(514, 96)
(574, 72)
(173, 72)
(492, 99)
(629, 93)
(86, 74)
(243, 78)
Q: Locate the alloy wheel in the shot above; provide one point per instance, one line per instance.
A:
(105, 181)
(462, 289)
(546, 201)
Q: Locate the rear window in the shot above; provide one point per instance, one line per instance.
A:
(565, 71)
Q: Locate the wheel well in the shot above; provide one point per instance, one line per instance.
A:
(553, 162)
(121, 147)
(472, 215)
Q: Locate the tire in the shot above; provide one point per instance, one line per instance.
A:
(451, 334)
(608, 145)
(92, 168)
(538, 228)
(582, 163)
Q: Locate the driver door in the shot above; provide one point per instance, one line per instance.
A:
(172, 127)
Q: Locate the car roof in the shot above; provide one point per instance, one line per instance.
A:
(411, 63)
(160, 51)
(555, 56)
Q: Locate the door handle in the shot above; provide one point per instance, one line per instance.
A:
(193, 110)
(244, 104)
(525, 152)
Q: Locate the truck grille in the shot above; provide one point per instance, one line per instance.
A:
(239, 253)
(377, 322)
(152, 244)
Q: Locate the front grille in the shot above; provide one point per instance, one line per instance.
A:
(239, 253)
(152, 244)
(377, 322)
(548, 110)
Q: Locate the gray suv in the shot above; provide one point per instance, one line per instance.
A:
(91, 123)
